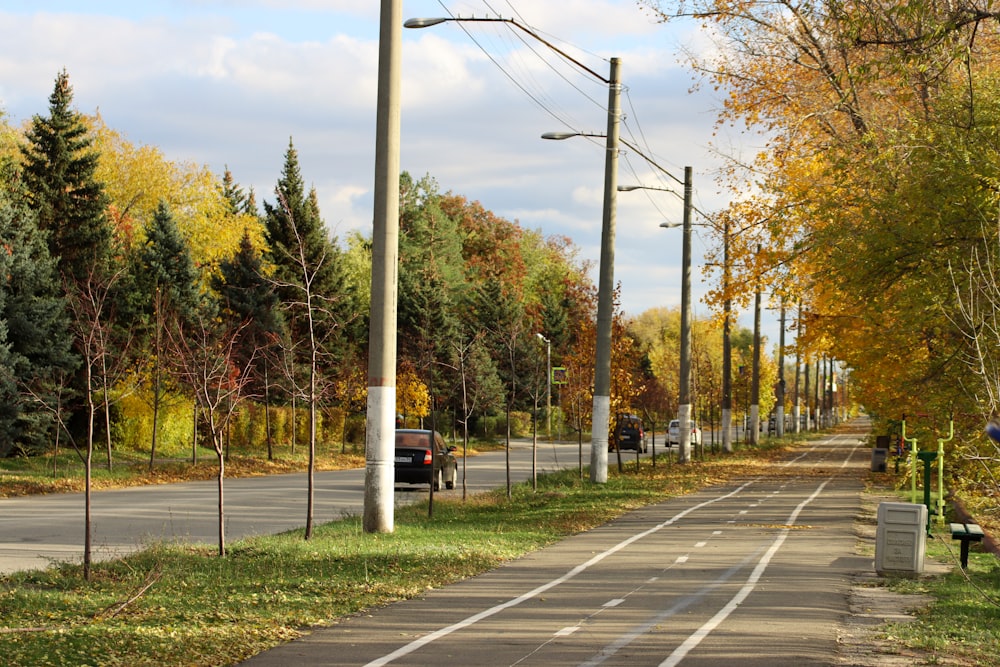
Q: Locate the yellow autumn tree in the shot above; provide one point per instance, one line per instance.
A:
(138, 177)
(413, 400)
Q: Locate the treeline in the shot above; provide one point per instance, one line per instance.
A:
(874, 200)
(135, 288)
(153, 305)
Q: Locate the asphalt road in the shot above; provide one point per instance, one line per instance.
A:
(37, 531)
(755, 573)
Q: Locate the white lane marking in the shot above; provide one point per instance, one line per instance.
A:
(699, 545)
(682, 559)
(566, 632)
(492, 611)
(679, 606)
(717, 532)
(628, 638)
(848, 459)
(614, 603)
(691, 642)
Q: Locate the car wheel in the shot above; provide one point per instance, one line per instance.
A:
(450, 484)
(437, 481)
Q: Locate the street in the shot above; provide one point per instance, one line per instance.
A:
(41, 530)
(756, 572)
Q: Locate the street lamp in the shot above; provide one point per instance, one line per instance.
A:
(684, 394)
(548, 384)
(601, 413)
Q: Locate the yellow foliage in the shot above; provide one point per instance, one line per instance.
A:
(412, 397)
(138, 178)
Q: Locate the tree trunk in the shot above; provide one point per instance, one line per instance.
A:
(107, 406)
(222, 508)
(194, 435)
(88, 467)
(267, 414)
(312, 438)
(158, 387)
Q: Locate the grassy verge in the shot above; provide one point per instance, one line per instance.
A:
(962, 626)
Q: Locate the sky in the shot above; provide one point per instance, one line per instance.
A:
(228, 83)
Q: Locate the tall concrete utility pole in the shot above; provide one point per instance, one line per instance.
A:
(797, 409)
(381, 415)
(727, 348)
(779, 412)
(601, 413)
(755, 378)
(684, 393)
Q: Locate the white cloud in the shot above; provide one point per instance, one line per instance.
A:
(222, 82)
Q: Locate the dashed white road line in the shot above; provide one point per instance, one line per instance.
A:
(701, 633)
(492, 611)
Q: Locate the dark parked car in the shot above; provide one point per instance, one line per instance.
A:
(628, 434)
(414, 459)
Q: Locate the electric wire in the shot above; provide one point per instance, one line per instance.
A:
(550, 38)
(524, 80)
(500, 67)
(538, 95)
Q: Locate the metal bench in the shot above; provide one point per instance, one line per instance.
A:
(967, 532)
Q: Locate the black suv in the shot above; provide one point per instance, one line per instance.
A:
(628, 434)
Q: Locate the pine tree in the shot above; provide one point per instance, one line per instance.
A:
(166, 264)
(35, 343)
(166, 285)
(60, 187)
(311, 279)
(431, 281)
(249, 300)
(293, 225)
(238, 200)
(245, 292)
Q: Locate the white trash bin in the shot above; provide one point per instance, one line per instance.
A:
(901, 540)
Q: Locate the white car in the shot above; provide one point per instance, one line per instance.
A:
(674, 433)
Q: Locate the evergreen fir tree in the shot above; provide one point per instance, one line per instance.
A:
(555, 318)
(508, 336)
(35, 343)
(166, 289)
(431, 281)
(61, 188)
(294, 219)
(238, 200)
(166, 264)
(249, 298)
